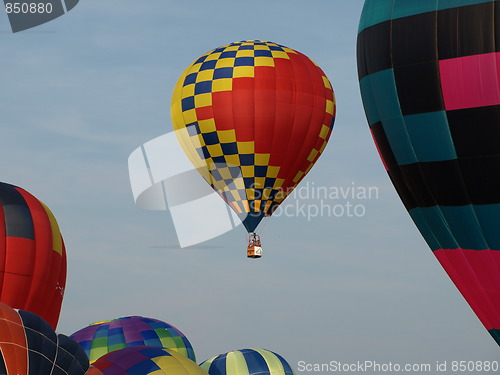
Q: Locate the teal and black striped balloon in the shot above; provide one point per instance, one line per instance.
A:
(429, 73)
(248, 362)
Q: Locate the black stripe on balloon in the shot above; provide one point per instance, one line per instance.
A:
(466, 31)
(436, 183)
(481, 174)
(443, 183)
(18, 220)
(373, 49)
(475, 131)
(415, 62)
(430, 36)
(428, 184)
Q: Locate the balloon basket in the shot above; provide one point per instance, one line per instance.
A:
(254, 249)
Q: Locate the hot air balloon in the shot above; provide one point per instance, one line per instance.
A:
(145, 360)
(29, 346)
(429, 79)
(101, 338)
(32, 255)
(253, 117)
(247, 362)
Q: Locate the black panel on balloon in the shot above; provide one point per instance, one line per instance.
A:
(445, 183)
(419, 88)
(374, 49)
(475, 131)
(17, 215)
(383, 144)
(497, 28)
(482, 179)
(466, 31)
(414, 39)
(442, 183)
(416, 184)
(401, 186)
(361, 56)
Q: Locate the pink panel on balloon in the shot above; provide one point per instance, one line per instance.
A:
(476, 273)
(470, 81)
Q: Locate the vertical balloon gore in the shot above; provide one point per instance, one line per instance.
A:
(429, 79)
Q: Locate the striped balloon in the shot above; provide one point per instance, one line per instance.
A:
(32, 255)
(247, 362)
(429, 75)
(101, 338)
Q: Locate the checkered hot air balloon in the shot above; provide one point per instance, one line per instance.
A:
(253, 117)
(145, 360)
(32, 255)
(247, 362)
(429, 78)
(29, 346)
(104, 337)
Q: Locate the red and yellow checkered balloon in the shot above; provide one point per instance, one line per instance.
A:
(253, 117)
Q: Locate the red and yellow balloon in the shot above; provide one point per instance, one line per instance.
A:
(32, 255)
(253, 117)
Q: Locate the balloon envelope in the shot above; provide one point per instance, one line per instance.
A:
(32, 255)
(29, 346)
(101, 338)
(429, 78)
(247, 362)
(253, 117)
(144, 360)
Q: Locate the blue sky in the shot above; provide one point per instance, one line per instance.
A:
(80, 93)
